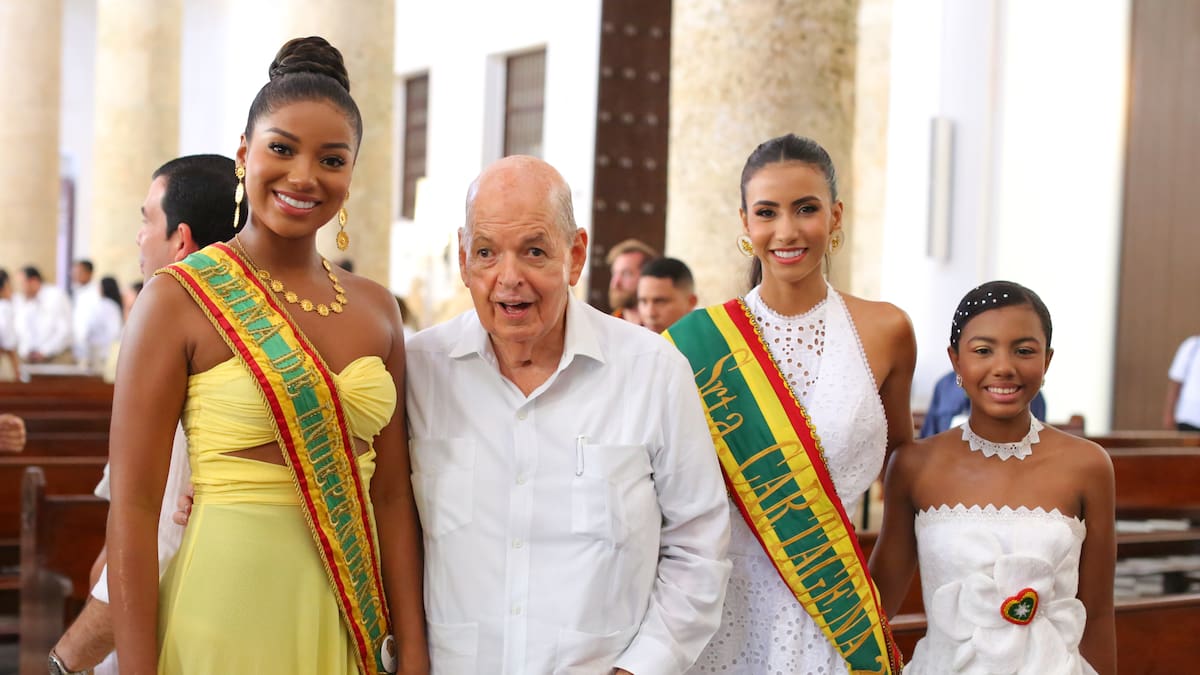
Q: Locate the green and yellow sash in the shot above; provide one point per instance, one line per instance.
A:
(311, 429)
(775, 471)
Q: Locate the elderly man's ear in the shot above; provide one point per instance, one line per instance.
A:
(578, 254)
(185, 243)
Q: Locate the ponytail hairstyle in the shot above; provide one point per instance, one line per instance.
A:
(789, 148)
(307, 69)
(994, 295)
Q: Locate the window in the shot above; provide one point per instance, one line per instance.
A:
(524, 103)
(416, 116)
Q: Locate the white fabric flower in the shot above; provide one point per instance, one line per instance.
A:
(969, 613)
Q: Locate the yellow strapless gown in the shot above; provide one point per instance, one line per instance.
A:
(247, 592)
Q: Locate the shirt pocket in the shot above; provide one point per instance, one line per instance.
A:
(443, 481)
(453, 648)
(612, 494)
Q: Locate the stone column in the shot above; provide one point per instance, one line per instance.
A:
(743, 72)
(872, 90)
(30, 61)
(137, 120)
(364, 31)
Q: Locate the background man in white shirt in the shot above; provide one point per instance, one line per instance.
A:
(43, 321)
(573, 510)
(189, 206)
(85, 298)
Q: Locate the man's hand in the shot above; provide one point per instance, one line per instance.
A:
(12, 433)
(184, 505)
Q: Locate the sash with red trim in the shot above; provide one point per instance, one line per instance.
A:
(775, 471)
(311, 429)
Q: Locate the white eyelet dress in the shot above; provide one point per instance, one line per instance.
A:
(764, 630)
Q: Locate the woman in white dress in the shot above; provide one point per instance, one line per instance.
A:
(848, 363)
(1011, 520)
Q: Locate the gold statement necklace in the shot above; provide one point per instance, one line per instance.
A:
(336, 305)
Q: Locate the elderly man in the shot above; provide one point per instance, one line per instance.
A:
(572, 523)
(187, 208)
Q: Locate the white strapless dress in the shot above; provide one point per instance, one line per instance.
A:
(764, 630)
(999, 588)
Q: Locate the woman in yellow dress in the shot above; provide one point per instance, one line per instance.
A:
(288, 373)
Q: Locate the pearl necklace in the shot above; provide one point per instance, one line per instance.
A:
(336, 305)
(1021, 449)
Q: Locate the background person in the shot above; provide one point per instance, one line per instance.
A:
(625, 262)
(85, 301)
(43, 321)
(10, 366)
(186, 208)
(1182, 409)
(665, 293)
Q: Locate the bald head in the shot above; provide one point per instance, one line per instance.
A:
(525, 181)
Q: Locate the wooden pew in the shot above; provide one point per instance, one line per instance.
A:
(63, 476)
(60, 538)
(1150, 438)
(66, 443)
(1155, 636)
(58, 393)
(1157, 481)
(59, 420)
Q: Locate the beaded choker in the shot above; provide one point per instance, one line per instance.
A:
(1021, 449)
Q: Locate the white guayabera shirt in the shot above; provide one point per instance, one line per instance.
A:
(578, 529)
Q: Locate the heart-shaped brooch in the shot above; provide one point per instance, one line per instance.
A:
(1020, 608)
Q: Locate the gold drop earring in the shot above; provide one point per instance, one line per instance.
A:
(745, 246)
(238, 194)
(343, 239)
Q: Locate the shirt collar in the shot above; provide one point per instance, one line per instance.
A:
(581, 339)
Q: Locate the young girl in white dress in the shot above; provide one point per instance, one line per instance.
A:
(1011, 520)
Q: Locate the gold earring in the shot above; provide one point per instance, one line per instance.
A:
(343, 239)
(835, 241)
(238, 195)
(745, 246)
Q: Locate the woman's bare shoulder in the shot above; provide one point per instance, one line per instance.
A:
(879, 316)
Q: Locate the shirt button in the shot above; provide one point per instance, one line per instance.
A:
(522, 415)
(516, 610)
(517, 543)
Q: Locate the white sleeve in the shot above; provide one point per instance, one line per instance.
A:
(179, 476)
(103, 491)
(693, 565)
(1183, 358)
(100, 590)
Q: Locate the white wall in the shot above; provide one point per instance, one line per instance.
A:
(463, 60)
(1038, 105)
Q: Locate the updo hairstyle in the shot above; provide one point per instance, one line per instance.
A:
(994, 295)
(306, 69)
